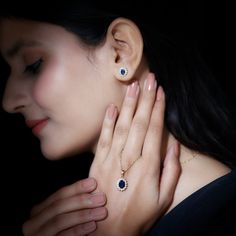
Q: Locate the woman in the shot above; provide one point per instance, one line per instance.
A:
(66, 67)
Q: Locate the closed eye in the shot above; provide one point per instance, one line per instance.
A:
(34, 68)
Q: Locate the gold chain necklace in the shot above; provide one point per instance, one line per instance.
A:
(194, 155)
(122, 183)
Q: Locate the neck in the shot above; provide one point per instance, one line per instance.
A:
(168, 140)
(197, 170)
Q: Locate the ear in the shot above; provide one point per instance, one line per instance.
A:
(126, 43)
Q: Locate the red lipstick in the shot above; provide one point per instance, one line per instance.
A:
(37, 125)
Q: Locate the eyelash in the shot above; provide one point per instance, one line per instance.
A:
(34, 68)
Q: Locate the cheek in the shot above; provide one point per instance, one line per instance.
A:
(75, 99)
(61, 80)
(49, 88)
(76, 110)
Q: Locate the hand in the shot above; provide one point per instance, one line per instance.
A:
(135, 140)
(73, 210)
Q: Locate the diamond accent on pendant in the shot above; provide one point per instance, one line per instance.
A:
(122, 184)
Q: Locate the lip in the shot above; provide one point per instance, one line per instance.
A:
(37, 125)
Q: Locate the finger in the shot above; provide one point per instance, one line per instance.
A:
(73, 221)
(125, 118)
(153, 140)
(139, 127)
(105, 139)
(80, 230)
(170, 175)
(80, 187)
(75, 203)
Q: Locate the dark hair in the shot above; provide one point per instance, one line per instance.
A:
(197, 111)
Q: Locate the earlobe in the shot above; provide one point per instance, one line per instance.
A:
(126, 43)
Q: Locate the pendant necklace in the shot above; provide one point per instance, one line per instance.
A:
(122, 183)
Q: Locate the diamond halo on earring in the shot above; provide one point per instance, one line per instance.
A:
(123, 71)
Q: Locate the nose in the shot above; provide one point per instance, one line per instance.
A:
(15, 96)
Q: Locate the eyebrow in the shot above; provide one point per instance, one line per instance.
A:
(19, 45)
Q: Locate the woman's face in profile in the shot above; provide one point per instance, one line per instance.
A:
(56, 79)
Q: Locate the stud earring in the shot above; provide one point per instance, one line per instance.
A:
(123, 71)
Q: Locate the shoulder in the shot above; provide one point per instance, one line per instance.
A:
(211, 210)
(195, 175)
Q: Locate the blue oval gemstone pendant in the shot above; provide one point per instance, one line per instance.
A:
(122, 184)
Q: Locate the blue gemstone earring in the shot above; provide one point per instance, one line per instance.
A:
(123, 71)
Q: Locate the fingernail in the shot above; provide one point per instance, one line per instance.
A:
(111, 111)
(150, 83)
(133, 90)
(160, 93)
(89, 183)
(98, 198)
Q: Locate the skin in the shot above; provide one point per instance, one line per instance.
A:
(134, 217)
(73, 88)
(63, 72)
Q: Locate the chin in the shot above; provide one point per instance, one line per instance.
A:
(52, 153)
(55, 154)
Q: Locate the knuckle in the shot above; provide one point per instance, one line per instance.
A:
(128, 104)
(167, 200)
(80, 230)
(140, 125)
(103, 143)
(128, 156)
(56, 206)
(155, 127)
(78, 187)
(82, 199)
(61, 193)
(58, 222)
(68, 190)
(159, 106)
(84, 214)
(85, 228)
(121, 130)
(107, 125)
(150, 96)
(169, 166)
(129, 159)
(176, 169)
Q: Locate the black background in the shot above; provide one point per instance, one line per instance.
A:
(27, 177)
